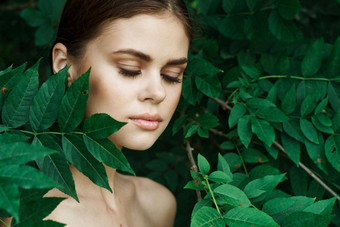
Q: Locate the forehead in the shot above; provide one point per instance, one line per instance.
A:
(153, 34)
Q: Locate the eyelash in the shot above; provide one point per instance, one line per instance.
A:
(167, 78)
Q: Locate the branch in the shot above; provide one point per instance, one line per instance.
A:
(224, 105)
(310, 172)
(193, 167)
(19, 6)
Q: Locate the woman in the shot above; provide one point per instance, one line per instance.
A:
(137, 51)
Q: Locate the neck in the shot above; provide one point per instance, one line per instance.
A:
(87, 189)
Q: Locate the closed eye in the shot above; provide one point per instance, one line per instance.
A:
(130, 73)
(171, 79)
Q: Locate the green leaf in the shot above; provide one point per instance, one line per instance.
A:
(15, 111)
(20, 153)
(232, 27)
(11, 79)
(333, 64)
(207, 121)
(254, 4)
(200, 204)
(190, 129)
(321, 106)
(56, 166)
(289, 101)
(316, 153)
(36, 210)
(44, 35)
(321, 127)
(227, 145)
(272, 114)
(309, 103)
(288, 8)
(246, 216)
(292, 148)
(252, 71)
(210, 86)
(292, 128)
(5, 71)
(244, 130)
(44, 109)
(309, 131)
(334, 95)
(189, 91)
(232, 195)
(73, 104)
(313, 59)
(33, 17)
(263, 130)
(252, 155)
(202, 132)
(7, 138)
(282, 29)
(76, 153)
(178, 124)
(324, 119)
(106, 152)
(233, 160)
(280, 208)
(258, 103)
(332, 150)
(203, 164)
(307, 219)
(48, 223)
(223, 166)
(259, 186)
(9, 201)
(220, 177)
(101, 126)
(321, 207)
(228, 5)
(236, 113)
(25, 177)
(206, 217)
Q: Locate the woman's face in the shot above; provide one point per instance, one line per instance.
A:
(137, 70)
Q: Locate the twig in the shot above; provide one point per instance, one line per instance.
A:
(222, 103)
(310, 172)
(19, 6)
(219, 133)
(193, 166)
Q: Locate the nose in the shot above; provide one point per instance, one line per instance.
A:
(153, 89)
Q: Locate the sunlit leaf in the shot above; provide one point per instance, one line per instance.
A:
(232, 195)
(206, 217)
(203, 164)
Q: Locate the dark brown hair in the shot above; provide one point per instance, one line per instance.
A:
(82, 20)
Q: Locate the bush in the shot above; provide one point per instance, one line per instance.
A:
(260, 111)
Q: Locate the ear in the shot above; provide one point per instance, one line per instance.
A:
(60, 59)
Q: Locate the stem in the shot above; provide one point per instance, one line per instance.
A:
(296, 77)
(19, 6)
(3, 223)
(193, 167)
(310, 172)
(212, 194)
(222, 103)
(241, 157)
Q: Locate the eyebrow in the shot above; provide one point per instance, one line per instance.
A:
(148, 58)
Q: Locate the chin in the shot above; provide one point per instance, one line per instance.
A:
(139, 143)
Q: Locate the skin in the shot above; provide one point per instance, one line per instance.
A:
(137, 68)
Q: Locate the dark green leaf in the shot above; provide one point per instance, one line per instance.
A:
(246, 216)
(334, 94)
(288, 8)
(232, 27)
(178, 124)
(56, 166)
(157, 165)
(259, 186)
(203, 164)
(252, 155)
(223, 166)
(309, 131)
(258, 103)
(11, 79)
(289, 102)
(322, 128)
(282, 29)
(76, 153)
(272, 114)
(236, 113)
(292, 148)
(9, 201)
(232, 195)
(333, 63)
(313, 59)
(20, 153)
(209, 86)
(219, 177)
(307, 219)
(44, 109)
(15, 111)
(292, 128)
(316, 153)
(200, 204)
(73, 104)
(33, 17)
(263, 130)
(309, 103)
(106, 152)
(206, 217)
(101, 126)
(233, 160)
(244, 130)
(6, 138)
(228, 5)
(189, 92)
(321, 106)
(227, 145)
(190, 129)
(207, 120)
(332, 150)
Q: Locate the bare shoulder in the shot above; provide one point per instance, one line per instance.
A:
(156, 201)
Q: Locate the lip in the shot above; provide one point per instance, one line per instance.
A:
(147, 121)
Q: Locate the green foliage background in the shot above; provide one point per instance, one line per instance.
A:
(261, 104)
